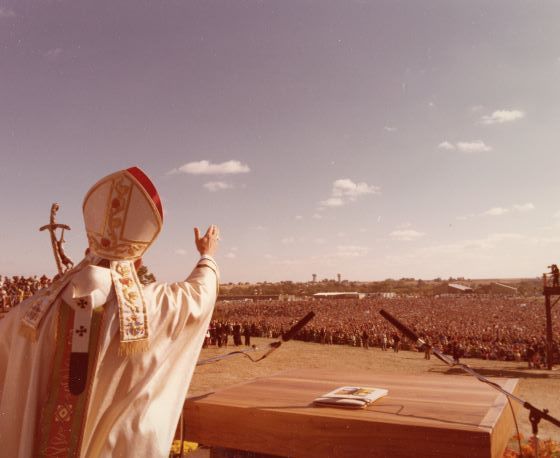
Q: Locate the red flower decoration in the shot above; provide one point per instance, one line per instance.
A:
(116, 203)
(105, 242)
(125, 281)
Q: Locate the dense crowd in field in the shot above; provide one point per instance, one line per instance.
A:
(494, 327)
(14, 290)
(472, 326)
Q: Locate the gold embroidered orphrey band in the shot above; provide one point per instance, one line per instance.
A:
(133, 316)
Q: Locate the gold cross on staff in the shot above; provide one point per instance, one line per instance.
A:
(63, 262)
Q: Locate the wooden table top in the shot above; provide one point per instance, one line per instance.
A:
(423, 415)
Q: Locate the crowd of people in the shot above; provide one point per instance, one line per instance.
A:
(493, 327)
(14, 290)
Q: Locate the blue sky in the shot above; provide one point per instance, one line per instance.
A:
(374, 139)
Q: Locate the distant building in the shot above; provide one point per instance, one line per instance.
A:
(454, 288)
(387, 295)
(339, 295)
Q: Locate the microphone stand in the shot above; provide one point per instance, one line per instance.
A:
(535, 414)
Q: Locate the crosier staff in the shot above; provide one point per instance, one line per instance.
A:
(59, 256)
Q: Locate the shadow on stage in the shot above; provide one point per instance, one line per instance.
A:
(519, 372)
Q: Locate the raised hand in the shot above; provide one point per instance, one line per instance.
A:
(208, 244)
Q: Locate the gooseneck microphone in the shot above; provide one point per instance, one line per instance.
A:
(401, 327)
(415, 338)
(290, 334)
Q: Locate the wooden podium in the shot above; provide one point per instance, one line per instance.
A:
(428, 415)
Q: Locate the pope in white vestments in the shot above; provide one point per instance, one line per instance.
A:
(98, 365)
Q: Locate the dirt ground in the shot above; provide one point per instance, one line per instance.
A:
(540, 387)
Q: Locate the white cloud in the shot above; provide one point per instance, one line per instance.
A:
(523, 207)
(499, 211)
(501, 236)
(446, 145)
(473, 147)
(298, 217)
(390, 129)
(351, 251)
(207, 168)
(406, 235)
(477, 146)
(214, 186)
(496, 211)
(332, 202)
(320, 241)
(347, 188)
(53, 54)
(317, 216)
(556, 215)
(181, 251)
(502, 116)
(231, 255)
(6, 13)
(288, 240)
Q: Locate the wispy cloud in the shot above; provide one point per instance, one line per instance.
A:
(446, 145)
(496, 211)
(390, 129)
(345, 190)
(332, 202)
(207, 168)
(53, 54)
(500, 211)
(406, 235)
(6, 13)
(181, 251)
(476, 146)
(502, 116)
(214, 186)
(351, 251)
(522, 208)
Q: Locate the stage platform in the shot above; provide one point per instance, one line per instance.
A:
(428, 415)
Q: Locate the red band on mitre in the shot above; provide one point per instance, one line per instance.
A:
(147, 184)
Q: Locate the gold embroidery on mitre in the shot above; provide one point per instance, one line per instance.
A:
(111, 244)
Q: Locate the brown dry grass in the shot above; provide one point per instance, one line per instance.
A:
(540, 387)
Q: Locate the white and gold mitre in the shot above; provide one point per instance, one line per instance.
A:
(123, 215)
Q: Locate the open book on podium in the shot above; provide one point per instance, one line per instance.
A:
(350, 397)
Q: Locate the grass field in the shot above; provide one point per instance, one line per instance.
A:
(540, 387)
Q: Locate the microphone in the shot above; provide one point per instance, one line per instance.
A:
(297, 327)
(414, 337)
(401, 327)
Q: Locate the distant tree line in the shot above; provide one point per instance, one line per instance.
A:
(405, 286)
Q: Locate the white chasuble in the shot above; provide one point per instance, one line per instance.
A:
(133, 400)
